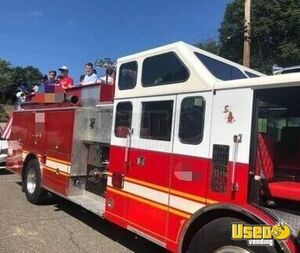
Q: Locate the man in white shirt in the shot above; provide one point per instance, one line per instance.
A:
(90, 76)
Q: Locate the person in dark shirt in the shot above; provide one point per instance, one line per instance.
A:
(81, 78)
(51, 77)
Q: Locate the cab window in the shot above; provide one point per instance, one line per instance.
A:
(127, 75)
(123, 119)
(163, 69)
(191, 120)
(156, 121)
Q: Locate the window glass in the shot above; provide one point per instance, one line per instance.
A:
(123, 119)
(220, 69)
(191, 120)
(157, 120)
(294, 70)
(251, 75)
(262, 125)
(127, 75)
(163, 69)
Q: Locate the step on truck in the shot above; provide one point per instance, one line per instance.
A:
(187, 149)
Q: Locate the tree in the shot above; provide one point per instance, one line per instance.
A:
(32, 75)
(209, 46)
(275, 33)
(11, 77)
(5, 79)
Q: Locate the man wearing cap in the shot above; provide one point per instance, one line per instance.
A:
(65, 81)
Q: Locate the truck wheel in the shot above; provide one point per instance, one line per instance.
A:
(32, 183)
(215, 237)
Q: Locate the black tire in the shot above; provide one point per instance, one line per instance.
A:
(34, 195)
(216, 235)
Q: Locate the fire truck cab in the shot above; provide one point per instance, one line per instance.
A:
(189, 144)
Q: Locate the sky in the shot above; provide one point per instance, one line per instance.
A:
(48, 34)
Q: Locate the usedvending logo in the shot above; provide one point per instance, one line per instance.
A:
(260, 235)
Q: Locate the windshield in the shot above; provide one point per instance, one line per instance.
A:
(279, 111)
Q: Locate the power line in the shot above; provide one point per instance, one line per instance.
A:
(260, 54)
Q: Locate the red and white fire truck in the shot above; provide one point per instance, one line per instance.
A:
(183, 149)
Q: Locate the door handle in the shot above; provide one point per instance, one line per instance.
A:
(128, 145)
(140, 161)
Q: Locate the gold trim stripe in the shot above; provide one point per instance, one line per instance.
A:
(150, 185)
(150, 202)
(189, 196)
(185, 195)
(54, 170)
(51, 158)
(58, 160)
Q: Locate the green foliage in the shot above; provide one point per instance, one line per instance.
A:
(275, 33)
(11, 77)
(209, 46)
(3, 114)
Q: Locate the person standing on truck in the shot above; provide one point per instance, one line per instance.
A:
(108, 78)
(90, 75)
(65, 81)
(51, 77)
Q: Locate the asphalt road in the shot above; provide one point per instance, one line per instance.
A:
(58, 226)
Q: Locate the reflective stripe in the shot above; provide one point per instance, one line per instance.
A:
(7, 129)
(178, 203)
(52, 163)
(53, 170)
(58, 160)
(149, 202)
(147, 193)
(185, 205)
(56, 165)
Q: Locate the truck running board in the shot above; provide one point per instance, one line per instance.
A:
(90, 201)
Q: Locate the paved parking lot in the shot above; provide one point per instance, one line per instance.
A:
(58, 226)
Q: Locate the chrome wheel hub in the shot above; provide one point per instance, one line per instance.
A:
(31, 181)
(231, 249)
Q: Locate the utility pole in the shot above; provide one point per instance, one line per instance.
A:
(247, 34)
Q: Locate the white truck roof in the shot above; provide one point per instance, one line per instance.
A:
(201, 77)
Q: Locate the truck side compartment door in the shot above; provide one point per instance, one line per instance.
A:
(121, 137)
(147, 180)
(141, 159)
(190, 159)
(37, 132)
(230, 145)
